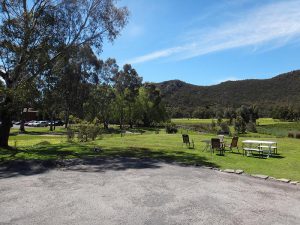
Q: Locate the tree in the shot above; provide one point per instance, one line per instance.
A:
(240, 125)
(35, 34)
(150, 109)
(126, 83)
(229, 113)
(99, 104)
(79, 68)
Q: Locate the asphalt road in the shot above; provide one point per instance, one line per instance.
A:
(124, 191)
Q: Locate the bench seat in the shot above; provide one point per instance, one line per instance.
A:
(266, 146)
(253, 149)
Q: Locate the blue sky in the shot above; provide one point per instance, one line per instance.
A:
(206, 42)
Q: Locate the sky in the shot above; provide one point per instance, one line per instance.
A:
(206, 42)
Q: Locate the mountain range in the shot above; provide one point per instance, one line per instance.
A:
(283, 89)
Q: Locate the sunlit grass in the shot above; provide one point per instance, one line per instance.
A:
(160, 146)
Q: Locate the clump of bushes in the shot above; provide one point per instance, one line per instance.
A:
(171, 128)
(294, 134)
(291, 134)
(85, 132)
(70, 134)
(224, 128)
(88, 131)
(240, 125)
(251, 127)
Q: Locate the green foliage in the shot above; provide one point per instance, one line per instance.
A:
(87, 131)
(70, 134)
(185, 98)
(202, 113)
(224, 127)
(74, 120)
(171, 128)
(240, 125)
(279, 129)
(149, 108)
(251, 127)
(291, 134)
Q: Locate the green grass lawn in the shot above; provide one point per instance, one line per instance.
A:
(187, 121)
(158, 146)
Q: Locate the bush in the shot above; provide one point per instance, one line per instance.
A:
(251, 127)
(70, 134)
(171, 128)
(239, 125)
(74, 120)
(291, 134)
(88, 131)
(224, 128)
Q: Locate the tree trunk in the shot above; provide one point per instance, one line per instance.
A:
(51, 122)
(5, 129)
(22, 124)
(67, 116)
(4, 133)
(105, 124)
(121, 124)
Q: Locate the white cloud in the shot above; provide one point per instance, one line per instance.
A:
(270, 26)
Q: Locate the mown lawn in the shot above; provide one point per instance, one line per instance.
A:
(160, 146)
(187, 121)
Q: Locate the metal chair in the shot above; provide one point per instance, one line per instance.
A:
(216, 145)
(234, 144)
(186, 141)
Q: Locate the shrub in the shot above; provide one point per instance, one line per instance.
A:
(70, 134)
(225, 128)
(219, 121)
(251, 127)
(88, 131)
(74, 120)
(171, 128)
(239, 125)
(291, 134)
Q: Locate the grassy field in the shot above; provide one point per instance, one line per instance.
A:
(38, 145)
(265, 126)
(187, 121)
(260, 121)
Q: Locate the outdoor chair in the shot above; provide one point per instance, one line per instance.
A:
(186, 141)
(234, 144)
(217, 145)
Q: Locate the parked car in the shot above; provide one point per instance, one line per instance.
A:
(17, 123)
(59, 123)
(42, 124)
(31, 123)
(56, 123)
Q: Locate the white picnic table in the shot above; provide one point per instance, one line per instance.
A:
(259, 146)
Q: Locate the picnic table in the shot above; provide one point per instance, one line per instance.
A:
(250, 146)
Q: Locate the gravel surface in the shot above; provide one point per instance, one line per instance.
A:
(128, 191)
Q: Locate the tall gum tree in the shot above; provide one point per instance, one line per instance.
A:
(36, 33)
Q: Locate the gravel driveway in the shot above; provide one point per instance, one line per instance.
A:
(127, 191)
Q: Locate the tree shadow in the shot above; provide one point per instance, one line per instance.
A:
(85, 159)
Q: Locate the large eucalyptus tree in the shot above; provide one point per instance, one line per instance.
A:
(34, 34)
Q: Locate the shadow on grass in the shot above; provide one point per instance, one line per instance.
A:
(38, 133)
(83, 158)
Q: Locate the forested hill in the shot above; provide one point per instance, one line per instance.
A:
(283, 89)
